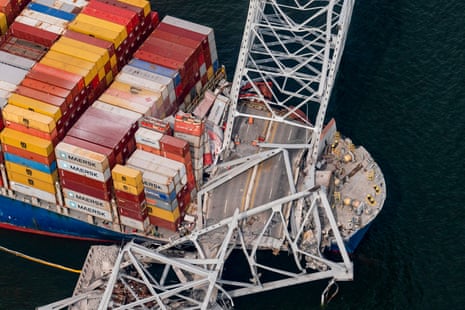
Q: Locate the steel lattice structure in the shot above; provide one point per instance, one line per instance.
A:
(297, 47)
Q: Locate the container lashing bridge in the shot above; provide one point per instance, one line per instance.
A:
(260, 199)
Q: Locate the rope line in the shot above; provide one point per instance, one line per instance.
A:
(38, 260)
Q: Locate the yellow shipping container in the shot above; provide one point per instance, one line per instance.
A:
(126, 104)
(119, 30)
(127, 175)
(23, 179)
(3, 23)
(210, 72)
(79, 53)
(32, 173)
(139, 3)
(65, 67)
(133, 190)
(26, 142)
(90, 67)
(170, 216)
(88, 47)
(35, 106)
(28, 118)
(96, 31)
(109, 77)
(101, 74)
(114, 61)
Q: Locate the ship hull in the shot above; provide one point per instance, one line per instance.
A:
(21, 216)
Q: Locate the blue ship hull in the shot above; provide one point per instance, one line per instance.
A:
(21, 216)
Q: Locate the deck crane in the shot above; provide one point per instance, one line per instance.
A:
(288, 60)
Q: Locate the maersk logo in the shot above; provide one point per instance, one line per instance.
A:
(83, 161)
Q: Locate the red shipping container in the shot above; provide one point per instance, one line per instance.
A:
(183, 54)
(59, 78)
(139, 215)
(86, 190)
(147, 148)
(74, 177)
(186, 123)
(22, 47)
(146, 54)
(174, 145)
(182, 40)
(155, 124)
(90, 146)
(131, 205)
(33, 34)
(130, 197)
(29, 155)
(94, 41)
(203, 38)
(108, 15)
(34, 132)
(186, 159)
(129, 17)
(161, 223)
(93, 137)
(137, 10)
(45, 87)
(58, 102)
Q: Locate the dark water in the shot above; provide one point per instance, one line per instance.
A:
(401, 93)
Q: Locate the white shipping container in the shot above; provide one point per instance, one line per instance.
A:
(3, 102)
(151, 166)
(4, 85)
(84, 171)
(39, 24)
(133, 223)
(44, 18)
(197, 153)
(143, 109)
(32, 191)
(217, 112)
(148, 137)
(155, 181)
(80, 156)
(151, 76)
(134, 116)
(144, 83)
(11, 76)
(149, 157)
(16, 61)
(86, 199)
(70, 6)
(4, 94)
(100, 213)
(194, 141)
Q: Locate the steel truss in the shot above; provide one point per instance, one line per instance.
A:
(159, 279)
(297, 46)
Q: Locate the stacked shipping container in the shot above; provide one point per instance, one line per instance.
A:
(58, 56)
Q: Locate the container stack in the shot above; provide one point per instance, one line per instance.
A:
(189, 128)
(165, 145)
(130, 197)
(164, 182)
(9, 9)
(132, 93)
(174, 46)
(103, 135)
(190, 34)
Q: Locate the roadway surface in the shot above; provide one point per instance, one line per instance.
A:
(260, 184)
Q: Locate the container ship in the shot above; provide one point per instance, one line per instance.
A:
(113, 120)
